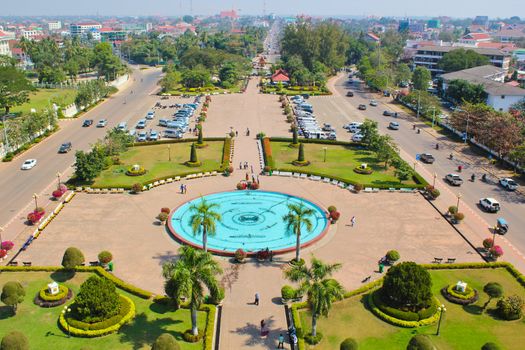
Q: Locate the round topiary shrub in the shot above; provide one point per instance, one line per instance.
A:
(136, 188)
(358, 187)
(97, 300)
(189, 337)
(14, 341)
(408, 286)
(165, 342)
(287, 292)
(458, 217)
(490, 346)
(488, 243)
(420, 342)
(452, 209)
(162, 217)
(348, 344)
(72, 258)
(240, 255)
(165, 210)
(332, 208)
(105, 257)
(393, 256)
(310, 339)
(510, 308)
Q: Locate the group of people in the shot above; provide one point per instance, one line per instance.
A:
(183, 189)
(264, 327)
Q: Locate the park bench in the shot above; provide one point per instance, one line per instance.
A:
(93, 263)
(437, 260)
(13, 263)
(27, 263)
(451, 260)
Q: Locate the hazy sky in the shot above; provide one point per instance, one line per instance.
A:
(453, 8)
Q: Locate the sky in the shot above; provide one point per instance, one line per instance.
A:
(399, 8)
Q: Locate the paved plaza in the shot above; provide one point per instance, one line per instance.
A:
(125, 224)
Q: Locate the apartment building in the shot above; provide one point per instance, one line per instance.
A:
(55, 25)
(430, 56)
(5, 37)
(84, 28)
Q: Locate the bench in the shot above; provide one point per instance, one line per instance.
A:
(13, 263)
(437, 260)
(27, 263)
(451, 260)
(93, 263)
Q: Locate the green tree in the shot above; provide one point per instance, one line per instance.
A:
(12, 294)
(14, 340)
(72, 258)
(14, 87)
(407, 285)
(228, 74)
(108, 65)
(87, 165)
(462, 91)
(300, 156)
(385, 148)
(369, 131)
(518, 154)
(298, 216)
(97, 300)
(316, 282)
(197, 77)
(170, 81)
(200, 137)
(493, 290)
(187, 19)
(420, 342)
(421, 78)
(459, 59)
(203, 219)
(165, 341)
(191, 273)
(403, 73)
(193, 154)
(295, 136)
(511, 307)
(348, 344)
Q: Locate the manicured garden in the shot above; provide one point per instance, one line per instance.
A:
(161, 161)
(463, 326)
(44, 98)
(40, 324)
(295, 90)
(341, 160)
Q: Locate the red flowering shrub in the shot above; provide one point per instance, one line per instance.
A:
(62, 188)
(57, 194)
(165, 210)
(496, 251)
(335, 215)
(7, 245)
(3, 253)
(254, 186)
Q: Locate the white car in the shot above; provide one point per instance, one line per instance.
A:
(393, 126)
(102, 123)
(373, 103)
(508, 184)
(357, 137)
(489, 204)
(28, 164)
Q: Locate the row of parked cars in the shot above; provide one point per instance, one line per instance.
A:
(307, 122)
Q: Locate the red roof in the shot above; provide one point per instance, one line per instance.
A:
(373, 36)
(501, 46)
(477, 36)
(280, 76)
(106, 29)
(2, 33)
(228, 14)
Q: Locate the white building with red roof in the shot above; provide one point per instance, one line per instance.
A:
(475, 38)
(5, 37)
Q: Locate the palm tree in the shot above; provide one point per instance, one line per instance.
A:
(321, 290)
(204, 218)
(298, 215)
(188, 275)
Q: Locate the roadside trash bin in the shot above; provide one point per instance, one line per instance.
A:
(381, 268)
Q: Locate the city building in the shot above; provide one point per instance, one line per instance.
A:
(507, 35)
(475, 38)
(5, 37)
(31, 33)
(229, 14)
(55, 25)
(112, 35)
(500, 96)
(83, 29)
(430, 56)
(434, 24)
(280, 76)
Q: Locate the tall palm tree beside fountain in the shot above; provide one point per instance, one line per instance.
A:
(204, 218)
(188, 276)
(298, 216)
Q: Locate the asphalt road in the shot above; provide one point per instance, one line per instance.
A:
(17, 186)
(339, 110)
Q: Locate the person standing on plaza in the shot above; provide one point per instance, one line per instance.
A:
(281, 342)
(256, 302)
(352, 221)
(181, 188)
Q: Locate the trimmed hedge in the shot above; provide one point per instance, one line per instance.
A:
(77, 332)
(125, 307)
(46, 303)
(62, 293)
(210, 323)
(458, 298)
(401, 314)
(267, 153)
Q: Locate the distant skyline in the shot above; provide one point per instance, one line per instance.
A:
(400, 8)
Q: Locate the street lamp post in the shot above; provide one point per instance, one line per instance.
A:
(58, 178)
(441, 310)
(324, 149)
(459, 197)
(65, 311)
(1, 231)
(433, 116)
(35, 197)
(434, 183)
(169, 153)
(418, 101)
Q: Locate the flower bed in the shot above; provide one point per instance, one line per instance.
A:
(136, 171)
(267, 153)
(365, 171)
(44, 299)
(470, 295)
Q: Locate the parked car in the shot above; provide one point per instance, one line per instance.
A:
(87, 123)
(454, 179)
(102, 123)
(142, 136)
(173, 133)
(150, 115)
(393, 126)
(65, 147)
(387, 113)
(132, 132)
(373, 103)
(508, 184)
(141, 124)
(357, 137)
(122, 126)
(350, 94)
(28, 164)
(489, 204)
(427, 158)
(362, 107)
(352, 125)
(328, 127)
(153, 135)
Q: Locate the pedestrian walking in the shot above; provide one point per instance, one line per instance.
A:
(281, 342)
(185, 189)
(236, 133)
(352, 221)
(251, 168)
(256, 302)
(181, 189)
(253, 178)
(240, 165)
(258, 179)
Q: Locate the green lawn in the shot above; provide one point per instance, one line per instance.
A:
(463, 327)
(40, 324)
(154, 159)
(44, 98)
(340, 162)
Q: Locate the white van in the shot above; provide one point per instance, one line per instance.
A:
(171, 133)
(122, 126)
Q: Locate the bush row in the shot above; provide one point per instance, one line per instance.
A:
(161, 142)
(225, 164)
(401, 314)
(141, 293)
(210, 323)
(125, 307)
(267, 153)
(98, 332)
(469, 292)
(356, 145)
(397, 322)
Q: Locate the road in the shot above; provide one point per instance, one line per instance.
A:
(17, 186)
(339, 110)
